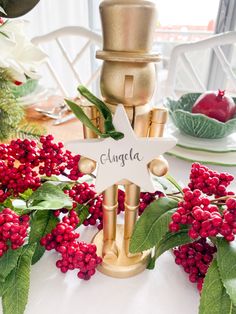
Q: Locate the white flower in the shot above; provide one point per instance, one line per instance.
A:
(17, 54)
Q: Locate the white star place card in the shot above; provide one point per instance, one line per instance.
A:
(127, 158)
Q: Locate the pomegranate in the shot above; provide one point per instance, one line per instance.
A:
(215, 105)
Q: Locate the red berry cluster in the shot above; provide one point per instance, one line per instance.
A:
(80, 256)
(13, 230)
(62, 234)
(15, 180)
(16, 173)
(74, 254)
(146, 199)
(85, 193)
(121, 201)
(228, 227)
(82, 193)
(25, 151)
(204, 218)
(208, 181)
(196, 210)
(52, 157)
(54, 160)
(22, 161)
(72, 166)
(195, 258)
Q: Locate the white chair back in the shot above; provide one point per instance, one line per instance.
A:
(190, 71)
(66, 70)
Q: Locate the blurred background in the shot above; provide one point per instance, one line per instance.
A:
(178, 21)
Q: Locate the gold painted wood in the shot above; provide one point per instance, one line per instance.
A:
(127, 77)
(122, 266)
(132, 57)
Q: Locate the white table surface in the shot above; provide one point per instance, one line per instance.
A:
(165, 290)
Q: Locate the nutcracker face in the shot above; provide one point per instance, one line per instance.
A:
(128, 74)
(130, 84)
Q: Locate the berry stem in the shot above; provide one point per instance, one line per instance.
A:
(43, 180)
(174, 197)
(174, 194)
(174, 183)
(223, 198)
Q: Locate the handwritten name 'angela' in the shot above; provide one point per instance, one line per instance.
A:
(121, 158)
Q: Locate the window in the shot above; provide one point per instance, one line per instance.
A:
(188, 20)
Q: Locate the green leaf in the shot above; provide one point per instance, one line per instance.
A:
(3, 288)
(65, 185)
(20, 207)
(84, 119)
(169, 241)
(15, 298)
(8, 261)
(152, 225)
(52, 204)
(104, 111)
(26, 195)
(52, 178)
(2, 33)
(49, 196)
(41, 224)
(226, 260)
(8, 203)
(163, 185)
(214, 299)
(83, 212)
(100, 105)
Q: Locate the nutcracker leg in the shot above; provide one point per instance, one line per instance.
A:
(131, 210)
(110, 204)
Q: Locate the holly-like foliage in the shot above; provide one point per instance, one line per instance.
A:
(12, 122)
(11, 113)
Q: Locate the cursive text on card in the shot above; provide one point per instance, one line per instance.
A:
(120, 159)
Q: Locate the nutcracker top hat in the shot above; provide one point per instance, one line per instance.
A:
(128, 28)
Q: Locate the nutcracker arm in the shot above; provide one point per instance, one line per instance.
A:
(86, 165)
(158, 166)
(159, 118)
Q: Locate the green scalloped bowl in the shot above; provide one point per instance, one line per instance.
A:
(25, 89)
(197, 125)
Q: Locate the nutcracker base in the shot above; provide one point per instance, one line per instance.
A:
(122, 266)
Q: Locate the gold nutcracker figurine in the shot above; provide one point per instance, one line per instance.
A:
(127, 78)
